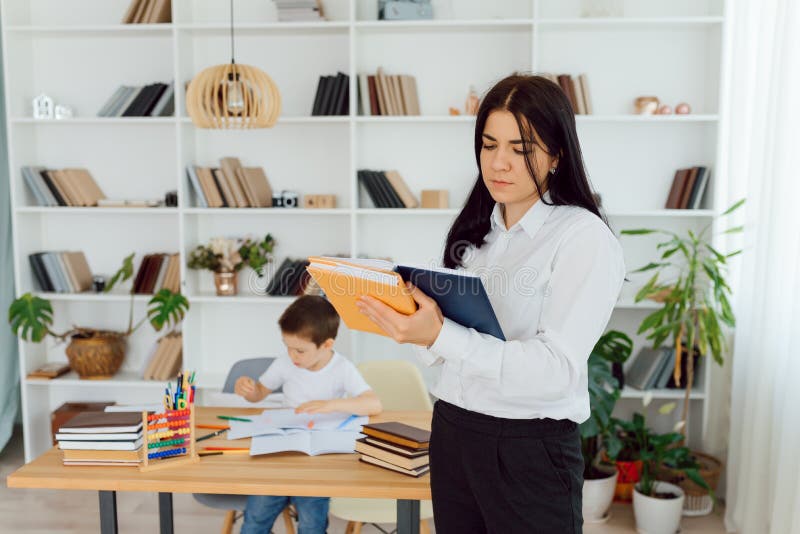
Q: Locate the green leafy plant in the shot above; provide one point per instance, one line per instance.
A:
(657, 451)
(31, 317)
(695, 300)
(604, 391)
(227, 255)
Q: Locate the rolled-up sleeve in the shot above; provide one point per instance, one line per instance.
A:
(587, 275)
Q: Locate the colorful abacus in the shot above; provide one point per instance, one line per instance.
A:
(169, 436)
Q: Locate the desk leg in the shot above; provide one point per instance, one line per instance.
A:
(407, 517)
(108, 512)
(165, 513)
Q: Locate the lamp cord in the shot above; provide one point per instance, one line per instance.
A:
(232, 55)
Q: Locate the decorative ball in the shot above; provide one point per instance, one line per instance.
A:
(683, 109)
(664, 110)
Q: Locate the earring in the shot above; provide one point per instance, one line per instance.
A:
(553, 170)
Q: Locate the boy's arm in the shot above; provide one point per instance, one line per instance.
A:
(251, 390)
(367, 403)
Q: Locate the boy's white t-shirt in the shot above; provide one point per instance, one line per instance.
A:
(338, 379)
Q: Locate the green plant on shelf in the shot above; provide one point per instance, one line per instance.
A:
(694, 297)
(31, 317)
(229, 255)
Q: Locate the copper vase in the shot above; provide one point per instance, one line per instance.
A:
(226, 284)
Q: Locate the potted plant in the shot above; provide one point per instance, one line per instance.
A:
(695, 307)
(93, 353)
(225, 257)
(657, 505)
(694, 299)
(600, 478)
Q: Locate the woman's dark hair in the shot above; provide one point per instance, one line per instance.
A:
(539, 103)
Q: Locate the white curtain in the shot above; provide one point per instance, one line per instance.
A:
(9, 367)
(761, 161)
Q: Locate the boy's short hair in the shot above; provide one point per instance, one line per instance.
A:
(310, 317)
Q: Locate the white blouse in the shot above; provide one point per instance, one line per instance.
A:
(553, 279)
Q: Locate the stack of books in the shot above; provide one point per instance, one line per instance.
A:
(396, 446)
(230, 186)
(151, 100)
(388, 94)
(61, 272)
(292, 279)
(148, 12)
(166, 358)
(576, 90)
(62, 187)
(654, 369)
(333, 95)
(384, 189)
(299, 10)
(687, 189)
(158, 271)
(102, 438)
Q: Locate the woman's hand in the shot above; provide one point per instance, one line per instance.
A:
(421, 327)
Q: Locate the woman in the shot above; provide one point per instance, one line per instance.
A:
(505, 447)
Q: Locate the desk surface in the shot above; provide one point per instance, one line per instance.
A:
(289, 473)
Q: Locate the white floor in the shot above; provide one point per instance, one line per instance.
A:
(72, 512)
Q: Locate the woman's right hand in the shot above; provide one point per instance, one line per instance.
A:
(246, 387)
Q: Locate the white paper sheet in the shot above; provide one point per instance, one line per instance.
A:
(286, 418)
(309, 442)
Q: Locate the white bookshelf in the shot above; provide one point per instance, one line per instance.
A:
(78, 53)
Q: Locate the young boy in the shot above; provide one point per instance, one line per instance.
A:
(315, 379)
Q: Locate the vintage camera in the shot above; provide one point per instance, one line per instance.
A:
(286, 199)
(405, 9)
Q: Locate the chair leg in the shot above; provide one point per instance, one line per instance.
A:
(287, 521)
(227, 524)
(357, 527)
(349, 528)
(423, 527)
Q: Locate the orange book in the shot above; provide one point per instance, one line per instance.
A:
(345, 281)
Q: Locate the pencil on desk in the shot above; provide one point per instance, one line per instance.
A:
(213, 427)
(232, 418)
(213, 434)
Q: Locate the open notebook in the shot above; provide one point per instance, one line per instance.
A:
(460, 295)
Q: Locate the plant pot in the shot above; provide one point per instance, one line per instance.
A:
(629, 474)
(96, 354)
(597, 496)
(226, 284)
(658, 516)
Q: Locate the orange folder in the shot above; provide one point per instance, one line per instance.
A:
(344, 282)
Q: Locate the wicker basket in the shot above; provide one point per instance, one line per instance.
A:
(96, 354)
(698, 501)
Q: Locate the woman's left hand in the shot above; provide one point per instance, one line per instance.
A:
(421, 327)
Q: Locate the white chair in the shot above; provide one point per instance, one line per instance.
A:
(399, 385)
(235, 504)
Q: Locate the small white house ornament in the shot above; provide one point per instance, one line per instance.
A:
(63, 112)
(43, 107)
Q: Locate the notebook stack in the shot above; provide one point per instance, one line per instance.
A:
(395, 446)
(102, 438)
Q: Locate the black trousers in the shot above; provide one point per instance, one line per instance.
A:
(494, 475)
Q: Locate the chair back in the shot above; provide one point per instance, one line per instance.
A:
(398, 384)
(252, 367)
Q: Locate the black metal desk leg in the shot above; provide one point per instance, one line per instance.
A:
(108, 512)
(407, 517)
(165, 513)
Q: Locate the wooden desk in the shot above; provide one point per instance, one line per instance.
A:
(329, 475)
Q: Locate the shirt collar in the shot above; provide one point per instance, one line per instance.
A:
(531, 222)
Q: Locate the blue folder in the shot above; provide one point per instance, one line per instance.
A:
(462, 298)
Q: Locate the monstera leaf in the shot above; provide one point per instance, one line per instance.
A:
(124, 273)
(30, 317)
(166, 308)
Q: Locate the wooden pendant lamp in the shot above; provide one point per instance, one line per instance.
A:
(233, 96)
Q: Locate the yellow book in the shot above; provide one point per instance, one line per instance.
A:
(344, 281)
